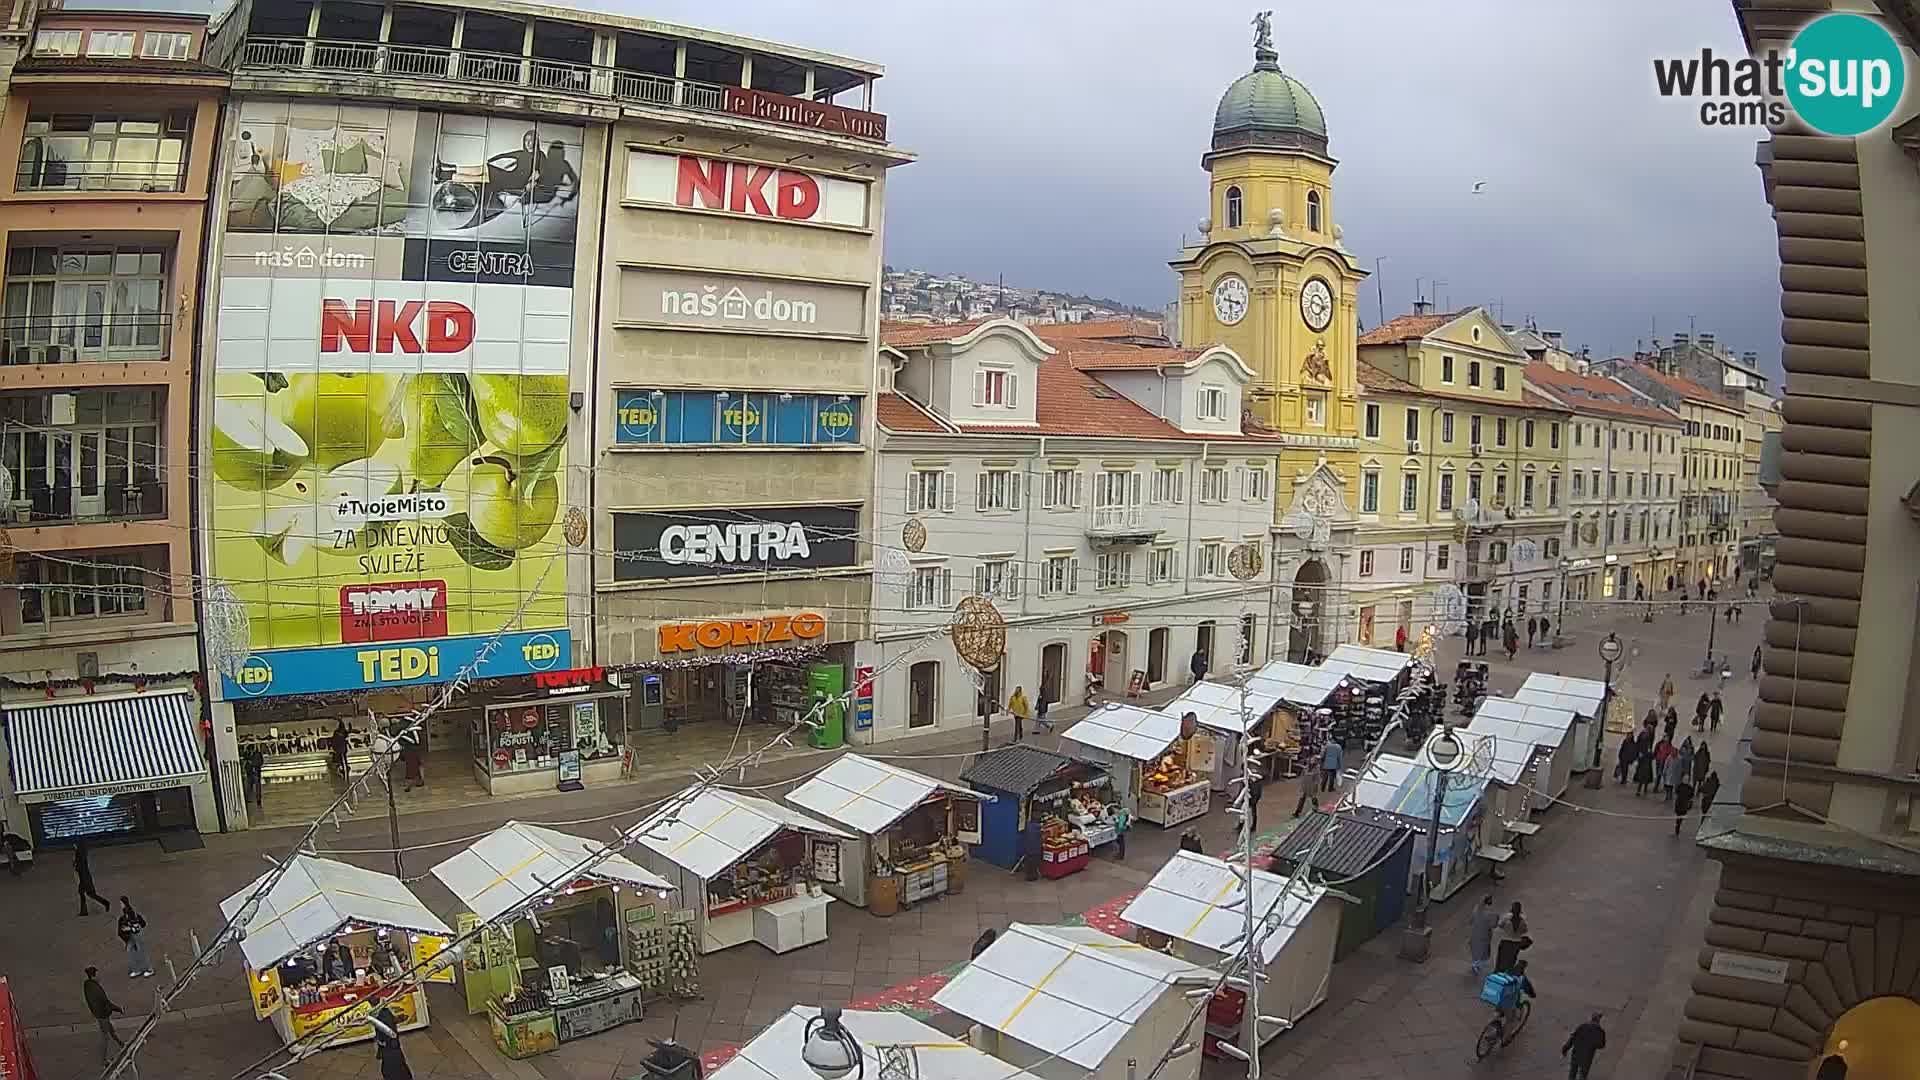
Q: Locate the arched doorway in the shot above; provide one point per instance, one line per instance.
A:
(1308, 605)
(1053, 671)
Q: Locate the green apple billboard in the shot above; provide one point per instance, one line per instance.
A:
(387, 434)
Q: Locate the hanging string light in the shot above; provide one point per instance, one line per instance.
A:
(227, 631)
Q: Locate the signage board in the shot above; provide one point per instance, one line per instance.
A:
(818, 115)
(734, 418)
(744, 188)
(570, 770)
(569, 679)
(1766, 969)
(702, 300)
(391, 404)
(741, 633)
(720, 541)
(863, 698)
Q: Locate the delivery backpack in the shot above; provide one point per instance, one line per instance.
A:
(1501, 990)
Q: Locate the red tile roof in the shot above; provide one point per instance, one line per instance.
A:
(1100, 356)
(1594, 394)
(1098, 330)
(906, 334)
(1686, 388)
(1534, 400)
(902, 414)
(1375, 379)
(1407, 328)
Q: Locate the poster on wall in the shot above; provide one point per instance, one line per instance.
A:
(390, 413)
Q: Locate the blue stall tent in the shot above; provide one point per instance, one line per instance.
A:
(1405, 788)
(1019, 777)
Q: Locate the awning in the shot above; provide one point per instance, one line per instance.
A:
(1198, 899)
(1372, 665)
(315, 898)
(517, 861)
(719, 828)
(103, 746)
(1127, 730)
(774, 1054)
(869, 796)
(1220, 706)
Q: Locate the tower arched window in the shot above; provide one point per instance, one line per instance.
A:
(1234, 214)
(1313, 211)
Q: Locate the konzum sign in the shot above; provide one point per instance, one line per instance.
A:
(748, 189)
(738, 633)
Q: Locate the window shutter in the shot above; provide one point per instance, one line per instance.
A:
(979, 387)
(1013, 389)
(980, 490)
(1079, 488)
(946, 587)
(1073, 574)
(1137, 482)
(1013, 581)
(1179, 486)
(946, 490)
(1016, 484)
(980, 580)
(913, 492)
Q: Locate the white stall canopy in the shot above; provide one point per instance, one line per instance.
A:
(870, 796)
(1072, 991)
(774, 1054)
(1297, 684)
(1405, 787)
(315, 898)
(1223, 706)
(1581, 696)
(1185, 901)
(1493, 754)
(1128, 731)
(1544, 725)
(1372, 665)
(509, 865)
(719, 828)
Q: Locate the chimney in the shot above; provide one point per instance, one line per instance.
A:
(1751, 359)
(1706, 342)
(1423, 307)
(1553, 338)
(1680, 339)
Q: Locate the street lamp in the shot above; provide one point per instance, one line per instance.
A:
(1443, 753)
(1610, 651)
(830, 1049)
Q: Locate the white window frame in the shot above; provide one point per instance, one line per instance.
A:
(930, 588)
(1366, 562)
(57, 43)
(997, 577)
(1209, 560)
(1446, 490)
(1372, 429)
(1406, 560)
(1213, 484)
(996, 388)
(1255, 485)
(1169, 485)
(1213, 402)
(1163, 565)
(1442, 556)
(1115, 570)
(1060, 575)
(929, 490)
(1446, 427)
(1370, 491)
(1409, 492)
(1412, 423)
(997, 488)
(1063, 488)
(110, 44)
(1316, 409)
(165, 45)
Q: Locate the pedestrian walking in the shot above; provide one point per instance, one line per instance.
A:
(103, 1010)
(1709, 788)
(1642, 774)
(1121, 822)
(337, 744)
(1480, 927)
(1190, 841)
(1682, 802)
(1017, 705)
(1331, 759)
(980, 943)
(1512, 642)
(1546, 634)
(1533, 629)
(1040, 706)
(1700, 710)
(413, 761)
(1666, 693)
(386, 1046)
(133, 931)
(1627, 753)
(1399, 639)
(1256, 785)
(1702, 762)
(1673, 771)
(1506, 956)
(1198, 665)
(253, 765)
(1669, 582)
(1715, 710)
(1582, 1047)
(1756, 663)
(83, 875)
(1671, 726)
(1663, 752)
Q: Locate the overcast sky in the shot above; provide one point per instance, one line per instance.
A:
(1060, 144)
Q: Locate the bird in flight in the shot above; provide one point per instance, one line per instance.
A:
(1479, 186)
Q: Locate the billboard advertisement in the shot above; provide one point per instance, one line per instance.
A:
(704, 543)
(390, 402)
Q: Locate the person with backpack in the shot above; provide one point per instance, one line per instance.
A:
(133, 931)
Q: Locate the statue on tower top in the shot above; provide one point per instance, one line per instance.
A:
(1262, 32)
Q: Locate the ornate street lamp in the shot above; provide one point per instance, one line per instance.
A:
(1443, 754)
(1610, 651)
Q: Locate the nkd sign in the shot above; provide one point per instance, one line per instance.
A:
(749, 189)
(701, 301)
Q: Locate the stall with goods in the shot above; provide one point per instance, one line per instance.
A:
(1196, 908)
(1584, 698)
(565, 967)
(1406, 788)
(328, 944)
(910, 831)
(1375, 678)
(1072, 1001)
(1062, 805)
(748, 869)
(1369, 853)
(1148, 755)
(1228, 717)
(1298, 735)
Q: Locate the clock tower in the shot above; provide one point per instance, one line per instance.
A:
(1271, 279)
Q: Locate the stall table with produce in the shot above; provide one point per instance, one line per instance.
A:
(1229, 717)
(749, 869)
(910, 831)
(1149, 754)
(1068, 800)
(331, 938)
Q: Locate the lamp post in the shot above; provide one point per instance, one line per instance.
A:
(1610, 650)
(1443, 753)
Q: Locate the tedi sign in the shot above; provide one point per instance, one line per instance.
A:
(732, 542)
(1843, 75)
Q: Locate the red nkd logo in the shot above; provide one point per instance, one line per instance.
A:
(742, 189)
(385, 326)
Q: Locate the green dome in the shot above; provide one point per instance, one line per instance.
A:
(1268, 108)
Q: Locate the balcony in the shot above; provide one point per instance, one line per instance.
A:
(44, 504)
(1121, 525)
(94, 337)
(465, 67)
(90, 176)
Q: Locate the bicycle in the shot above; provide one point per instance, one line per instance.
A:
(1498, 1032)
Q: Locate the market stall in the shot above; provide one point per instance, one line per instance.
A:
(573, 965)
(331, 938)
(909, 831)
(1229, 716)
(1305, 721)
(1074, 1001)
(1370, 857)
(1193, 908)
(1066, 798)
(774, 1054)
(1148, 755)
(747, 868)
(1404, 788)
(1582, 697)
(1551, 731)
(1381, 667)
(561, 737)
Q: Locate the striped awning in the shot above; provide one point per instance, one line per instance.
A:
(103, 746)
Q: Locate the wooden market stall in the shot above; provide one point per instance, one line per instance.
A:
(774, 1054)
(1370, 854)
(1404, 787)
(1194, 908)
(331, 938)
(573, 964)
(747, 868)
(1299, 732)
(1550, 730)
(1582, 697)
(1381, 667)
(1067, 798)
(1229, 716)
(909, 830)
(1147, 753)
(1075, 1001)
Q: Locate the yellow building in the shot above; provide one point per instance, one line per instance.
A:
(1270, 279)
(1711, 465)
(1462, 473)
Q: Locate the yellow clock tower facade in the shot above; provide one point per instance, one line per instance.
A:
(1271, 279)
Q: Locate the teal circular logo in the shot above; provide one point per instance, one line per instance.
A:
(1845, 74)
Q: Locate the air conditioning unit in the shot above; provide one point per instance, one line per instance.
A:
(1476, 448)
(1413, 446)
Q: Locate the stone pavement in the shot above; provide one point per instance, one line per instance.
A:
(1609, 898)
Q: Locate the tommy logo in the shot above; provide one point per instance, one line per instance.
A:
(396, 611)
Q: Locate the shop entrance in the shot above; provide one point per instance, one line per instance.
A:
(1158, 642)
(923, 693)
(1118, 669)
(1053, 671)
(990, 693)
(1203, 644)
(1309, 583)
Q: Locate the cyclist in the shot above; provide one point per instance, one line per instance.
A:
(1518, 984)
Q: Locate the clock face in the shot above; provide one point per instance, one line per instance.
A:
(1230, 299)
(1316, 304)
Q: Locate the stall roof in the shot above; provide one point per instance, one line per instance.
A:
(1549, 725)
(774, 1054)
(1020, 769)
(1583, 696)
(517, 860)
(1224, 706)
(316, 897)
(1373, 665)
(1127, 730)
(868, 796)
(1496, 752)
(719, 828)
(1404, 787)
(1071, 991)
(1298, 684)
(1361, 840)
(1184, 900)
